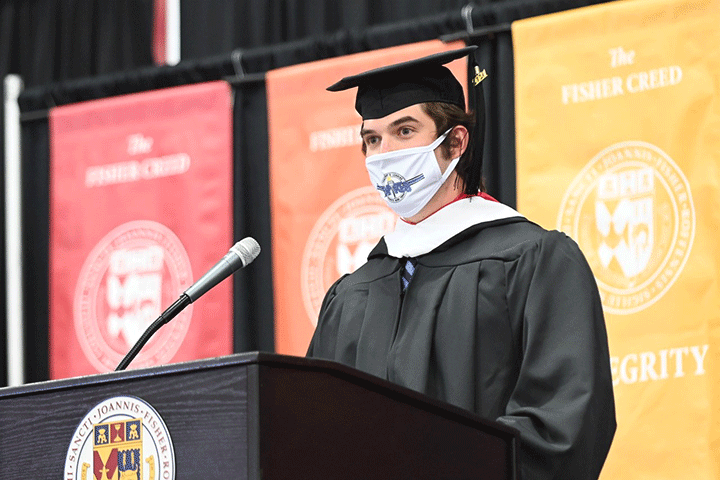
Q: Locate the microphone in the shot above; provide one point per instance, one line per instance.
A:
(240, 255)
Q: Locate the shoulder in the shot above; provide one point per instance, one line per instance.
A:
(520, 245)
(504, 240)
(375, 268)
(533, 245)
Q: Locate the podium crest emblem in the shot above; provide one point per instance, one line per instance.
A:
(117, 447)
(121, 438)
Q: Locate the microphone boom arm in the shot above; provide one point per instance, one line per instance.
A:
(240, 255)
(164, 318)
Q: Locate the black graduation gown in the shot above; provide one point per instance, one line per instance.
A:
(504, 320)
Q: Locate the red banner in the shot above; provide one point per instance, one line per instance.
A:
(326, 214)
(140, 207)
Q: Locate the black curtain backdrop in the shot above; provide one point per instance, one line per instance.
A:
(244, 68)
(253, 300)
(252, 23)
(47, 41)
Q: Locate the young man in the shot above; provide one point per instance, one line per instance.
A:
(467, 301)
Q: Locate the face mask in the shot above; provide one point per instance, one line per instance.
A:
(407, 179)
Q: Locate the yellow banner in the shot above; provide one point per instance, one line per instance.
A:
(618, 145)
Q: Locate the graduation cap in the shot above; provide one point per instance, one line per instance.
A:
(385, 90)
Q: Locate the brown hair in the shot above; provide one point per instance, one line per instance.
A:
(469, 168)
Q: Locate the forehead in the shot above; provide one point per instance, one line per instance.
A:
(413, 113)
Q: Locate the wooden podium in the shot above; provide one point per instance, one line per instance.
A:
(261, 416)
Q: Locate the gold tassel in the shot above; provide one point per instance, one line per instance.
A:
(479, 76)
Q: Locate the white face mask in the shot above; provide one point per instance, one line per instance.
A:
(407, 179)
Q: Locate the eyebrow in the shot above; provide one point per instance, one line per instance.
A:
(399, 121)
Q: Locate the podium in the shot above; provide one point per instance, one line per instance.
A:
(247, 416)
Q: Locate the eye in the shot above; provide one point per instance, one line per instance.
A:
(371, 140)
(405, 131)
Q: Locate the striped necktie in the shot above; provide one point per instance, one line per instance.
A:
(408, 272)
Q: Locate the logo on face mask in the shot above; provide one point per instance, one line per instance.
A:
(421, 168)
(395, 186)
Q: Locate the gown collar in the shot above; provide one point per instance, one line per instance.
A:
(412, 240)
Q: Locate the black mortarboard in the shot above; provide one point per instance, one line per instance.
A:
(385, 90)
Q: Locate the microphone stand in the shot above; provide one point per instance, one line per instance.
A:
(239, 256)
(164, 318)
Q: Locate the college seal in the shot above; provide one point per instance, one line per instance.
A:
(121, 438)
(132, 274)
(340, 242)
(631, 211)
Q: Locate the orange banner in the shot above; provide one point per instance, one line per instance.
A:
(140, 208)
(326, 214)
(618, 145)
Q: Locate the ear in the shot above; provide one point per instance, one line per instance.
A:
(460, 138)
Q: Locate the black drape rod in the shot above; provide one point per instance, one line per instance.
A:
(241, 76)
(131, 81)
(243, 79)
(471, 33)
(34, 115)
(477, 33)
(235, 81)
